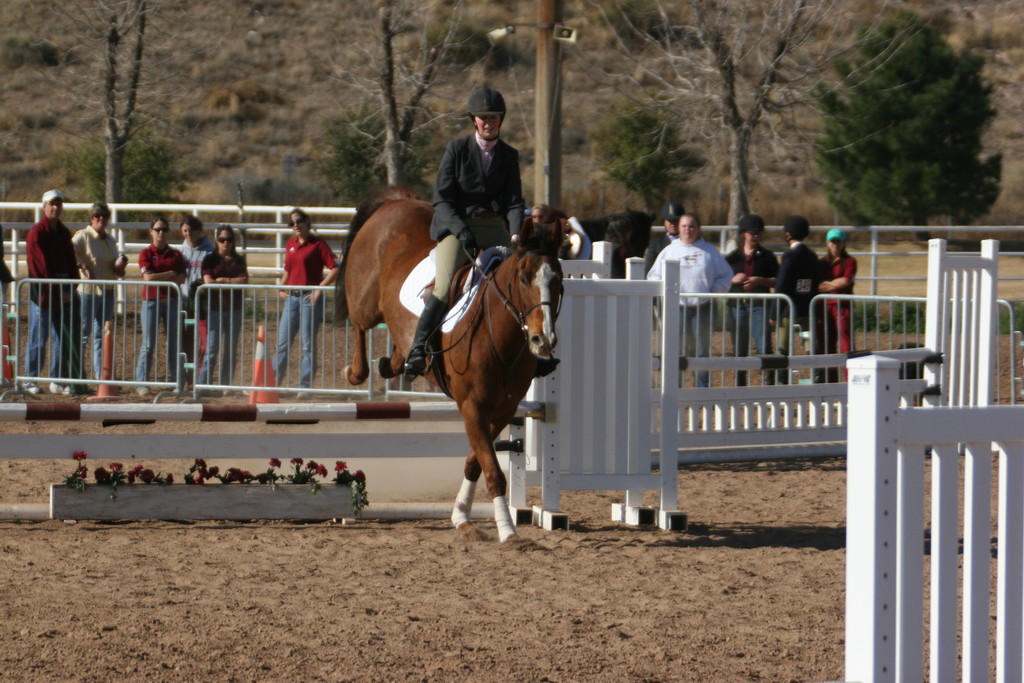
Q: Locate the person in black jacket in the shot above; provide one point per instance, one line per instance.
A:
(670, 215)
(798, 278)
(478, 203)
(754, 268)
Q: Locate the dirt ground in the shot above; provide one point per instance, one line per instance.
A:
(753, 592)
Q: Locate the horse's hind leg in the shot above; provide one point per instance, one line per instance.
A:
(358, 370)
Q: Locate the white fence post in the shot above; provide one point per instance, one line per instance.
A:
(871, 521)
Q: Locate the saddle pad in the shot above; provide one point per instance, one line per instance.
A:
(413, 289)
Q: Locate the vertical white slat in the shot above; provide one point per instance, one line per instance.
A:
(632, 366)
(945, 553)
(1010, 565)
(638, 443)
(871, 494)
(955, 357)
(936, 321)
(584, 404)
(571, 406)
(977, 557)
(669, 345)
(615, 384)
(548, 437)
(988, 323)
(910, 563)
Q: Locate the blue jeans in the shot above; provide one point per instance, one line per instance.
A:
(299, 315)
(96, 310)
(38, 334)
(152, 313)
(695, 324)
(223, 327)
(750, 317)
(62, 319)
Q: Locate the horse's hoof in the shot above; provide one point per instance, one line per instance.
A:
(384, 368)
(352, 377)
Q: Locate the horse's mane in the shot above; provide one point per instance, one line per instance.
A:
(373, 200)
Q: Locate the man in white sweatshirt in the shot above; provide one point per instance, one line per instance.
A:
(702, 269)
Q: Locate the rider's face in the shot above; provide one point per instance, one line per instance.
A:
(487, 126)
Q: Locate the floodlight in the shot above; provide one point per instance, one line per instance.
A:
(564, 34)
(500, 33)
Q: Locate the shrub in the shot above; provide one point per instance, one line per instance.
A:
(152, 171)
(19, 49)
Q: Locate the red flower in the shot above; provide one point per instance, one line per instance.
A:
(312, 466)
(169, 478)
(147, 476)
(101, 475)
(340, 465)
(321, 470)
(212, 472)
(274, 462)
(359, 476)
(199, 479)
(200, 463)
(131, 477)
(296, 461)
(79, 455)
(115, 466)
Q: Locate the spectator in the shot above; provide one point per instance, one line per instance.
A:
(194, 249)
(227, 267)
(97, 256)
(701, 269)
(5, 273)
(159, 263)
(478, 203)
(838, 270)
(755, 268)
(306, 258)
(798, 279)
(53, 307)
(670, 215)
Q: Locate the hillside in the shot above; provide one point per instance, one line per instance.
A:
(240, 86)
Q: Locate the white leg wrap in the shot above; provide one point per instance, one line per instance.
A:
(463, 503)
(503, 518)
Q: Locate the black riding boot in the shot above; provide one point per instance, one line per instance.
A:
(430, 320)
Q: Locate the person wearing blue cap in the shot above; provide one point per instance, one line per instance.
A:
(838, 270)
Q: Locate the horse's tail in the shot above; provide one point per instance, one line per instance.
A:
(373, 200)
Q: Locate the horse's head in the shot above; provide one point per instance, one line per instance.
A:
(537, 284)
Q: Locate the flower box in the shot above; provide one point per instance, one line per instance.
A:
(210, 501)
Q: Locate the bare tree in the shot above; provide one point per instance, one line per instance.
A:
(399, 70)
(730, 69)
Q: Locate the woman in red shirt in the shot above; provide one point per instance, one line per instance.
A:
(159, 263)
(306, 258)
(838, 271)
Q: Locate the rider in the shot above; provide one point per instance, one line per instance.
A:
(478, 203)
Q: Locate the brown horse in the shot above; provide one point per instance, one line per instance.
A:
(488, 360)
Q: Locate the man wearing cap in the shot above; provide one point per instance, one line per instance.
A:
(53, 307)
(670, 215)
(701, 269)
(798, 278)
(754, 268)
(478, 203)
(838, 270)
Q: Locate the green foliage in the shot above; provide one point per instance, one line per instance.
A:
(902, 139)
(351, 154)
(638, 148)
(19, 49)
(151, 171)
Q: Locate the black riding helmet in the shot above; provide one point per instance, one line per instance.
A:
(486, 102)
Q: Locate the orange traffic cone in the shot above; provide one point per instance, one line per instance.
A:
(263, 372)
(8, 372)
(107, 391)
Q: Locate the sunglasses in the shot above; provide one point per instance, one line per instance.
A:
(160, 229)
(222, 240)
(298, 222)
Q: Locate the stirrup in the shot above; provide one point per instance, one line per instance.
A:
(416, 363)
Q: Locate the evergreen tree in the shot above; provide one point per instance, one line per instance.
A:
(902, 139)
(639, 150)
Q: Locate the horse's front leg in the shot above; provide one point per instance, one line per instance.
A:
(482, 460)
(359, 370)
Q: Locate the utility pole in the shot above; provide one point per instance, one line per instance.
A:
(547, 184)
